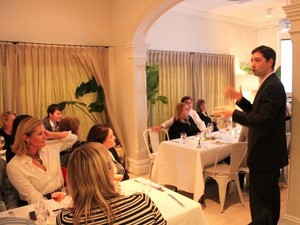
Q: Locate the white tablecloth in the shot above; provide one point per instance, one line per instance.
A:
(172, 211)
(182, 165)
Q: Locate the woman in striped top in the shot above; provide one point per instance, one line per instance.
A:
(95, 200)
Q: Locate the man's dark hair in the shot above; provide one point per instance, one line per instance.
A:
(52, 108)
(267, 52)
(184, 98)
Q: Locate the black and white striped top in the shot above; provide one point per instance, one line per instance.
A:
(133, 209)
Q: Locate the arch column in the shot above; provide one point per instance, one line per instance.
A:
(292, 215)
(138, 162)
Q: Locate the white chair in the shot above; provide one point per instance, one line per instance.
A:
(152, 140)
(283, 179)
(223, 173)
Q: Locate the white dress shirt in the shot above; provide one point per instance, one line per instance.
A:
(32, 182)
(192, 113)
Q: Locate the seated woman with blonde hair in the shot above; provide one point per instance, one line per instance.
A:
(35, 169)
(94, 198)
(183, 123)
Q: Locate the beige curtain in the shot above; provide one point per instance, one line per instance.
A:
(196, 74)
(34, 76)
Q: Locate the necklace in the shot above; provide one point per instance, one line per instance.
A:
(37, 158)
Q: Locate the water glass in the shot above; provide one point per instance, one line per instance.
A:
(183, 137)
(41, 211)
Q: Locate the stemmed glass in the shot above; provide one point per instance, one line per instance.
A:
(210, 127)
(118, 172)
(2, 142)
(59, 196)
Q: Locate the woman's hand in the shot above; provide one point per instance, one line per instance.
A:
(56, 135)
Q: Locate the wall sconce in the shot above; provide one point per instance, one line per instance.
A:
(269, 13)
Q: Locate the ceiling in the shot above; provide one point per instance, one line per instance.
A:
(248, 12)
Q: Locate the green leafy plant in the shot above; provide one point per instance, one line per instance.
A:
(90, 86)
(152, 80)
(278, 72)
(247, 69)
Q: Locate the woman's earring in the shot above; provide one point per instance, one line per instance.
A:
(27, 143)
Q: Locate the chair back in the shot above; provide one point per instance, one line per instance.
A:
(288, 141)
(238, 152)
(153, 138)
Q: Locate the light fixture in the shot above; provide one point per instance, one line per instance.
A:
(269, 13)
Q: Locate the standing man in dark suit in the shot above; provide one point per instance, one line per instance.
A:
(267, 152)
(53, 118)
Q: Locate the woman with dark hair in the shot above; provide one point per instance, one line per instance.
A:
(9, 153)
(201, 110)
(103, 134)
(69, 123)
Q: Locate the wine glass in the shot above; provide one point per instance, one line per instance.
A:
(210, 127)
(59, 196)
(2, 142)
(118, 172)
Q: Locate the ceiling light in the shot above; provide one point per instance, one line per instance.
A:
(269, 12)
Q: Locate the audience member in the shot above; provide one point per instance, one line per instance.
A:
(69, 123)
(104, 135)
(95, 200)
(183, 123)
(9, 153)
(8, 194)
(35, 169)
(6, 123)
(192, 113)
(201, 110)
(54, 116)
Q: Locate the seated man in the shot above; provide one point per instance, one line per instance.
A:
(53, 118)
(8, 194)
(192, 113)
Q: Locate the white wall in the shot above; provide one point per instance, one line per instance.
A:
(175, 31)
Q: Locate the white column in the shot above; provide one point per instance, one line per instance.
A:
(138, 161)
(292, 213)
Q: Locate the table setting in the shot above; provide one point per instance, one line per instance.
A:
(181, 162)
(175, 208)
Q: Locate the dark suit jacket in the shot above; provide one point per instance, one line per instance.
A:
(267, 150)
(48, 125)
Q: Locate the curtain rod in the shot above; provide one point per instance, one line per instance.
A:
(35, 43)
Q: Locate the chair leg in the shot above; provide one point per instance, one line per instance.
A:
(222, 185)
(237, 182)
(150, 170)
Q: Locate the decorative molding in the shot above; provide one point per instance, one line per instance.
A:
(290, 220)
(138, 167)
(188, 8)
(293, 14)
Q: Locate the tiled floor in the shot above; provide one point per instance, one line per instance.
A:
(234, 213)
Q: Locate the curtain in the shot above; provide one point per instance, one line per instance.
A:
(199, 75)
(34, 76)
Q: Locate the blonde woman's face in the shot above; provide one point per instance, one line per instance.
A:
(9, 122)
(110, 139)
(185, 112)
(37, 138)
